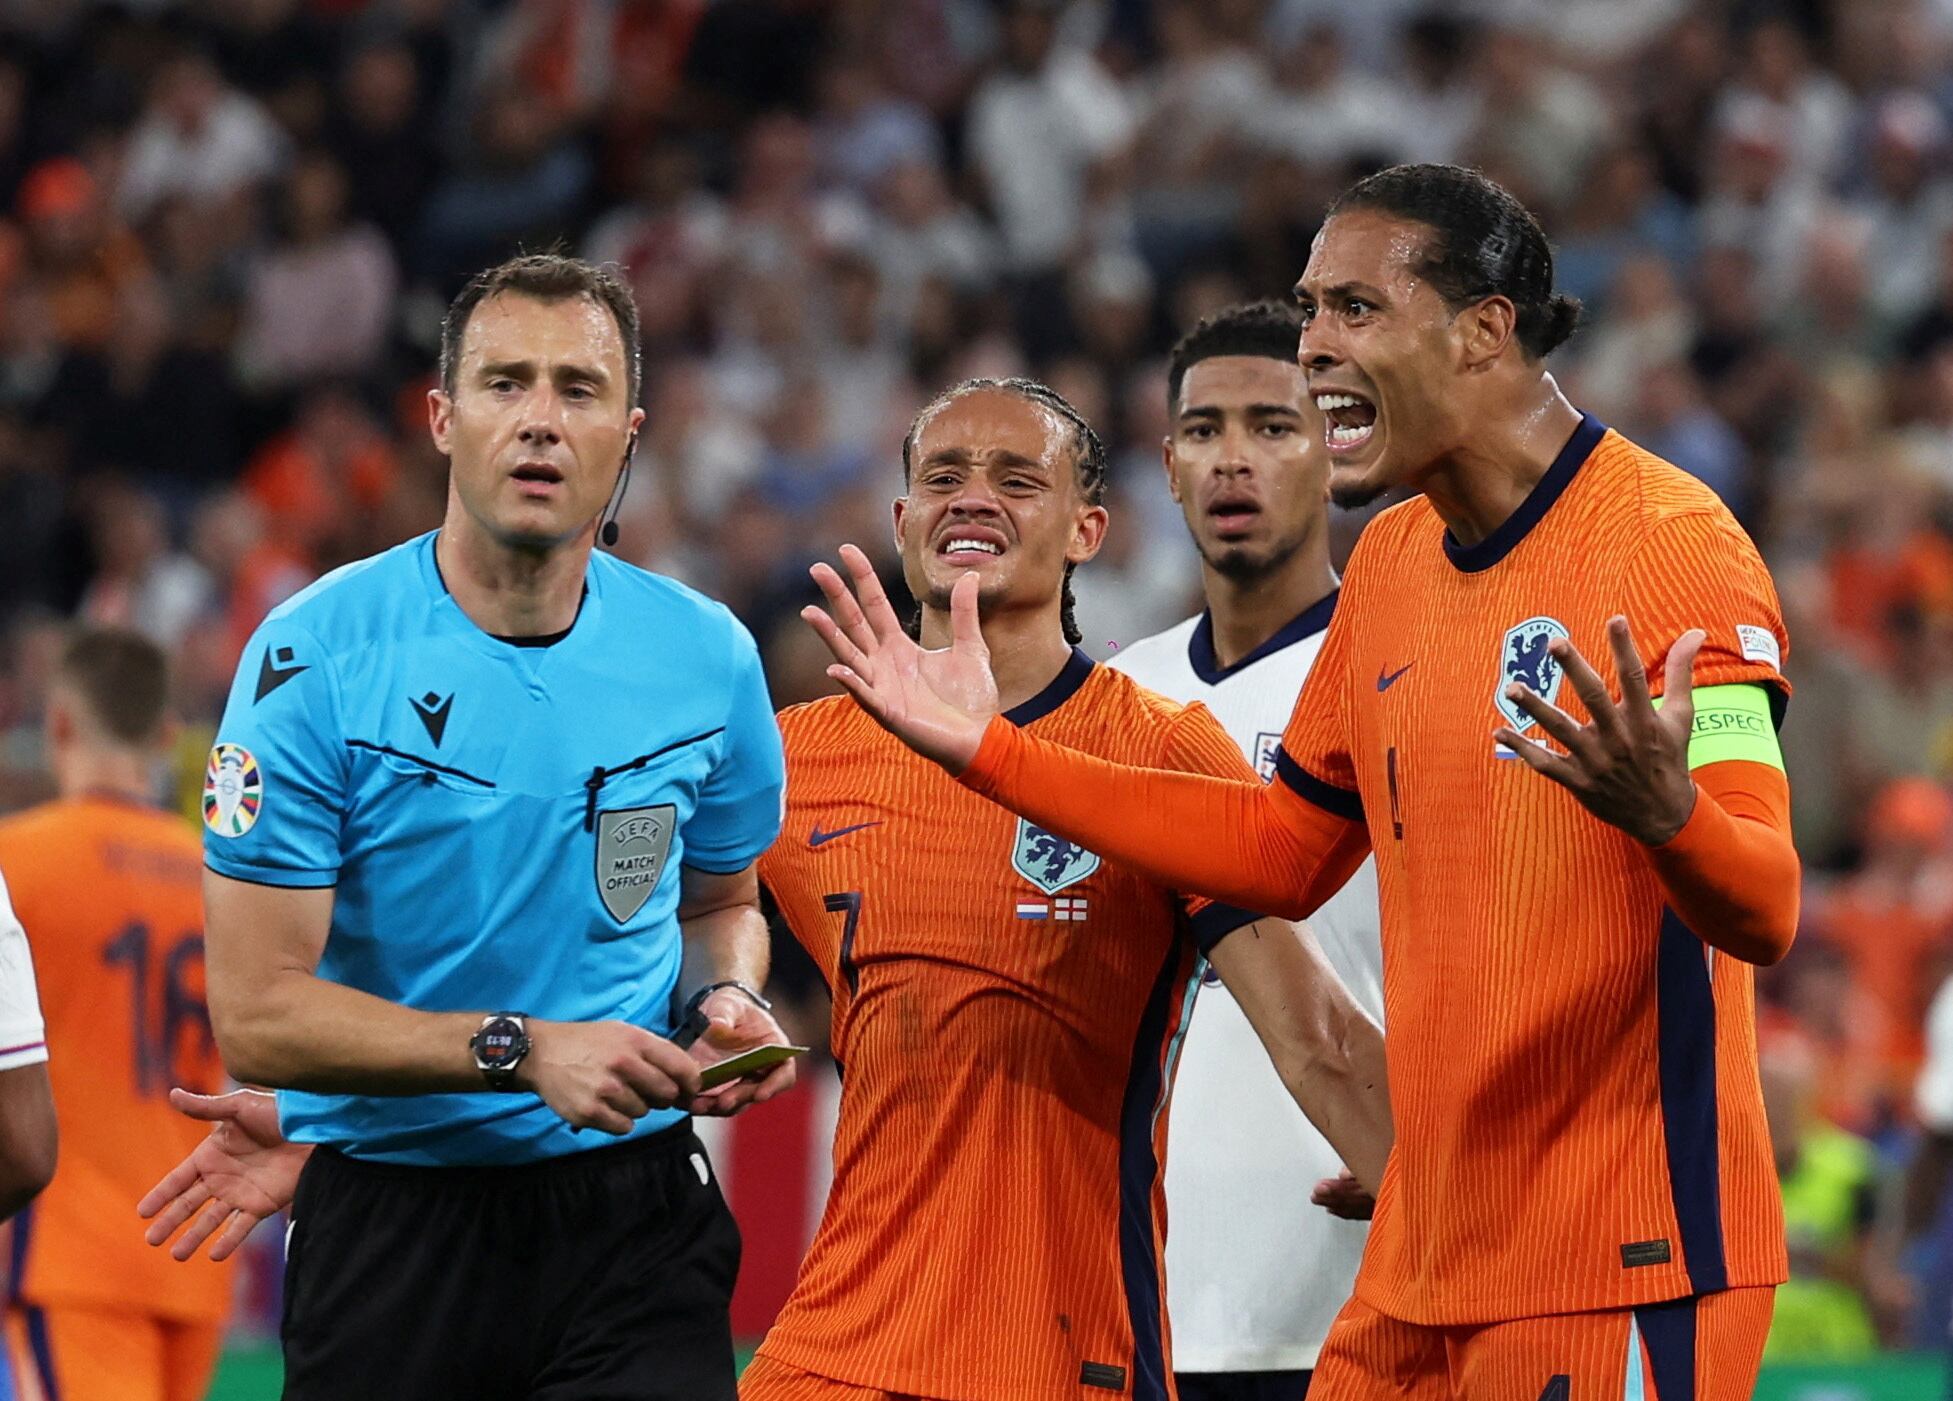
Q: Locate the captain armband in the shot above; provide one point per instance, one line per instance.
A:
(1733, 722)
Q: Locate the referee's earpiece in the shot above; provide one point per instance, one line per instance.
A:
(608, 533)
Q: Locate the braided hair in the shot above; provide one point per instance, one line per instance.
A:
(1088, 458)
(1485, 244)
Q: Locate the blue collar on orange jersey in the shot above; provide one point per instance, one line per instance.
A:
(1470, 559)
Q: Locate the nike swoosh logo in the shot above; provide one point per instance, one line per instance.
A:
(270, 677)
(1387, 679)
(819, 838)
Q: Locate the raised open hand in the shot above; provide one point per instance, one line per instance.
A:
(1629, 765)
(936, 702)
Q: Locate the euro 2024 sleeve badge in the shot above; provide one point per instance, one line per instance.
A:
(233, 790)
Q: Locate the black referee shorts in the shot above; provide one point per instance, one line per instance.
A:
(604, 1276)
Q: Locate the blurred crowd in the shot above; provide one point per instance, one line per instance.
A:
(228, 229)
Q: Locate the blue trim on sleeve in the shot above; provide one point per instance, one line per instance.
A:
(1216, 922)
(1339, 802)
(1686, 1017)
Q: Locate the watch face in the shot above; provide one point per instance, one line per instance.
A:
(499, 1043)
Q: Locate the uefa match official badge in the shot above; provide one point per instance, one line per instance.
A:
(233, 790)
(632, 846)
(1523, 658)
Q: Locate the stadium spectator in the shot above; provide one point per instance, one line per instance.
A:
(1893, 918)
(1830, 1194)
(321, 299)
(199, 138)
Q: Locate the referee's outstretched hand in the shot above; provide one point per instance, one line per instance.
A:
(241, 1173)
(605, 1075)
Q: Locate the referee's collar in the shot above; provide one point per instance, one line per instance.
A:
(587, 609)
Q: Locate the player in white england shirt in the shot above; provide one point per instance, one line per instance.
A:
(27, 1124)
(1255, 1271)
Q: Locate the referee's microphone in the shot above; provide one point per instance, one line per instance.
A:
(608, 532)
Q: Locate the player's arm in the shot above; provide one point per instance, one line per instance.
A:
(1265, 847)
(28, 1134)
(28, 1138)
(278, 1023)
(1324, 1045)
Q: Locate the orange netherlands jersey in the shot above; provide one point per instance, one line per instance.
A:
(1572, 1071)
(110, 894)
(1006, 1012)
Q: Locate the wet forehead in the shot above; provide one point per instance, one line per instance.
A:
(1365, 248)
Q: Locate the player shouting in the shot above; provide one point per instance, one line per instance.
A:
(1581, 1193)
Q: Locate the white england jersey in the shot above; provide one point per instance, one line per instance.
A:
(23, 1038)
(1254, 1272)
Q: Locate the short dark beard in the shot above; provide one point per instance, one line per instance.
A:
(1241, 566)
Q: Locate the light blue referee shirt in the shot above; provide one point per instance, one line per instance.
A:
(503, 824)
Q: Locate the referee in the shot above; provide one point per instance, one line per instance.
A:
(481, 821)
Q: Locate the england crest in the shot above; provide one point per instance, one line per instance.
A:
(632, 844)
(1523, 657)
(1049, 862)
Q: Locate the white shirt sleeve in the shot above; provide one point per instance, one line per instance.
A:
(23, 1036)
(1933, 1095)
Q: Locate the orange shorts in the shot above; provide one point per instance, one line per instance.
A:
(767, 1380)
(76, 1354)
(1699, 1349)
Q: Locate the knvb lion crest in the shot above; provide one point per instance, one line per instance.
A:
(632, 844)
(1049, 862)
(1523, 658)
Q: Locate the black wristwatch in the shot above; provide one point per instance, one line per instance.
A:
(751, 992)
(499, 1046)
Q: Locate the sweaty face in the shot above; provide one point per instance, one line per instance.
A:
(540, 419)
(1381, 350)
(1247, 463)
(993, 487)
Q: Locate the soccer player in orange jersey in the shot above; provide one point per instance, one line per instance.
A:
(108, 886)
(1008, 1006)
(1574, 880)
